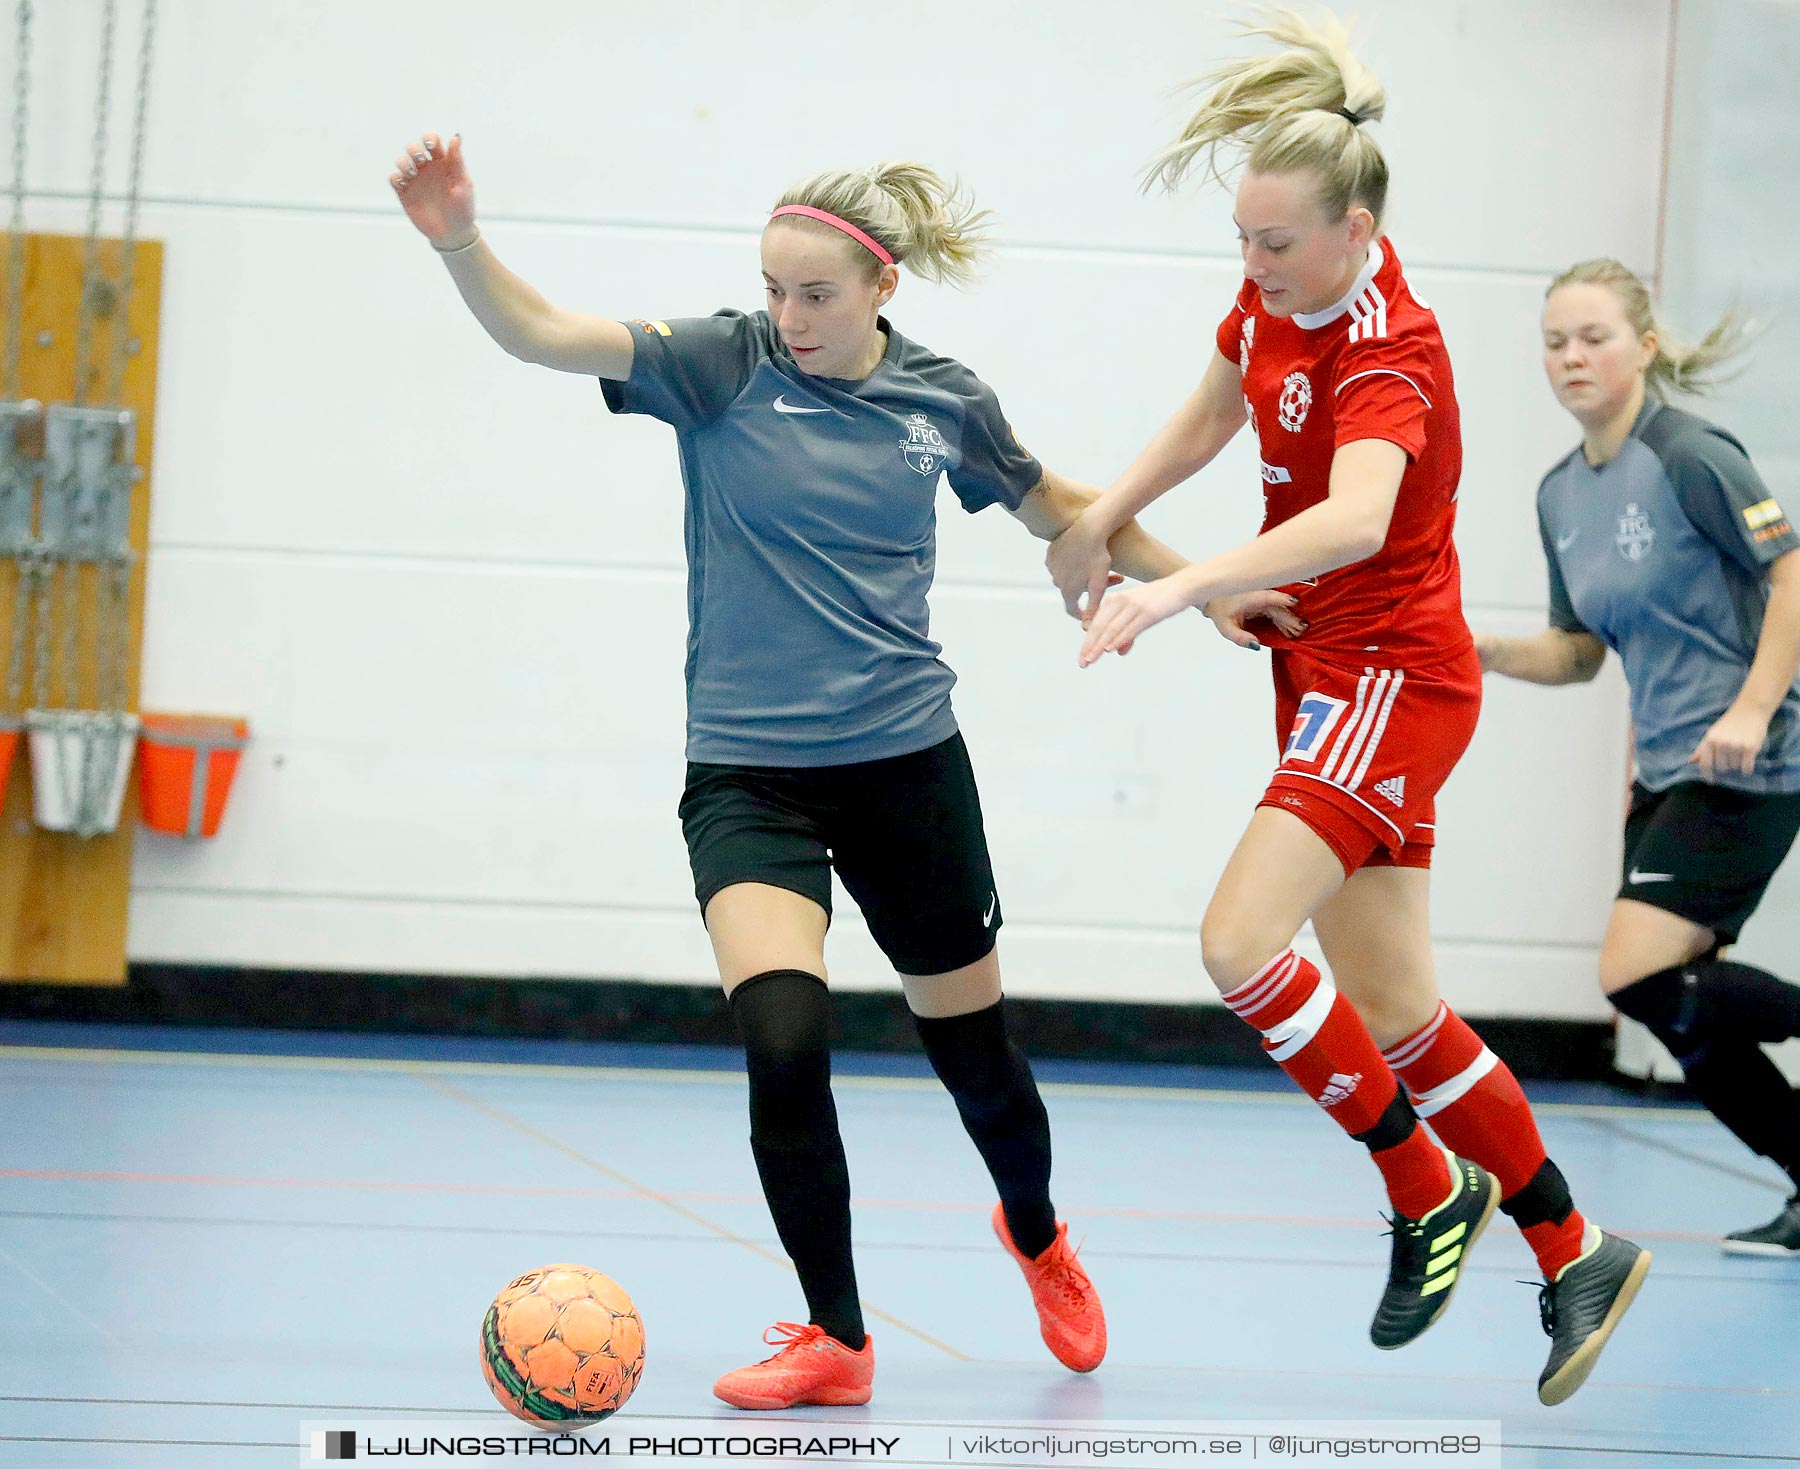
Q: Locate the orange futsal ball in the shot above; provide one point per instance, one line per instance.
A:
(562, 1347)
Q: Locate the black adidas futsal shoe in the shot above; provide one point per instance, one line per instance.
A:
(1428, 1256)
(1779, 1237)
(1581, 1308)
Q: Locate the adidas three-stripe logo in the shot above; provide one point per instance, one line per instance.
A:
(1446, 1251)
(1368, 315)
(1394, 788)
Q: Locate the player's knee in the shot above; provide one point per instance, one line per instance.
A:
(1391, 1017)
(783, 1016)
(1669, 1004)
(1233, 947)
(1622, 966)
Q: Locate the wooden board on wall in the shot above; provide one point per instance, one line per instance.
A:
(63, 898)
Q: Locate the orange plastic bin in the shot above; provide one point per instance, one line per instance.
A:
(10, 730)
(185, 767)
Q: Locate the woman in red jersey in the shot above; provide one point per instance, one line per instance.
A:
(1342, 372)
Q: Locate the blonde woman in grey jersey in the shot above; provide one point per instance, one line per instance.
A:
(812, 439)
(1664, 545)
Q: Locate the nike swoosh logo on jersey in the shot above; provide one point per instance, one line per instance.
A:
(1637, 877)
(782, 405)
(987, 918)
(1564, 542)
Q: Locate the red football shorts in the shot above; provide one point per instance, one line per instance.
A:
(1365, 752)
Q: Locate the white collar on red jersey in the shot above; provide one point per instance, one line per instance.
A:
(1312, 320)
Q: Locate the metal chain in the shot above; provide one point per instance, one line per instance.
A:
(40, 654)
(26, 564)
(15, 255)
(90, 744)
(71, 666)
(115, 381)
(99, 746)
(91, 284)
(112, 593)
(67, 732)
(93, 743)
(115, 662)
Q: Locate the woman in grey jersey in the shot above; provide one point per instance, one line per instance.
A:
(1664, 545)
(812, 439)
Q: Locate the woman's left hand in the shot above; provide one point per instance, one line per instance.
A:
(1123, 616)
(1732, 745)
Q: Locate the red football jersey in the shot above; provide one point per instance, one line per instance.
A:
(1373, 366)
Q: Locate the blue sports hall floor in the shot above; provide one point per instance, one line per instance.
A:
(211, 1238)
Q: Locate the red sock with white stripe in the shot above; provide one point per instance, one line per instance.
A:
(1475, 1104)
(1315, 1035)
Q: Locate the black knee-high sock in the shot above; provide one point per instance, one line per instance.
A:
(1712, 1016)
(1746, 1091)
(1745, 999)
(991, 1083)
(784, 1017)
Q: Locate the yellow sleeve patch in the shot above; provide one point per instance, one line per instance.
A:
(658, 328)
(1757, 516)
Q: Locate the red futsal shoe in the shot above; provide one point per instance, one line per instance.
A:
(1068, 1307)
(811, 1368)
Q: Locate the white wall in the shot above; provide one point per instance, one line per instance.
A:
(447, 588)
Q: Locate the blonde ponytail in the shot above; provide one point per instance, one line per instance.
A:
(1302, 109)
(927, 225)
(1678, 366)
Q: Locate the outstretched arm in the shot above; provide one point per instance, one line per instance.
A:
(435, 191)
(1057, 503)
(1349, 525)
(1202, 426)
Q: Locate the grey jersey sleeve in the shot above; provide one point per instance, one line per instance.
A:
(687, 372)
(995, 469)
(1562, 611)
(1724, 496)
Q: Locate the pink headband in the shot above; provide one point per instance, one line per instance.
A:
(868, 242)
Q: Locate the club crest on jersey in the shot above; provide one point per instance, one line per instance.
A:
(923, 446)
(1296, 399)
(1636, 534)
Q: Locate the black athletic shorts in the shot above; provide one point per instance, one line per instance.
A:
(904, 834)
(1706, 853)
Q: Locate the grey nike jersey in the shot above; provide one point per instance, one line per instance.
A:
(1662, 553)
(811, 534)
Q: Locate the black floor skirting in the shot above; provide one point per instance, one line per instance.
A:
(631, 1010)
